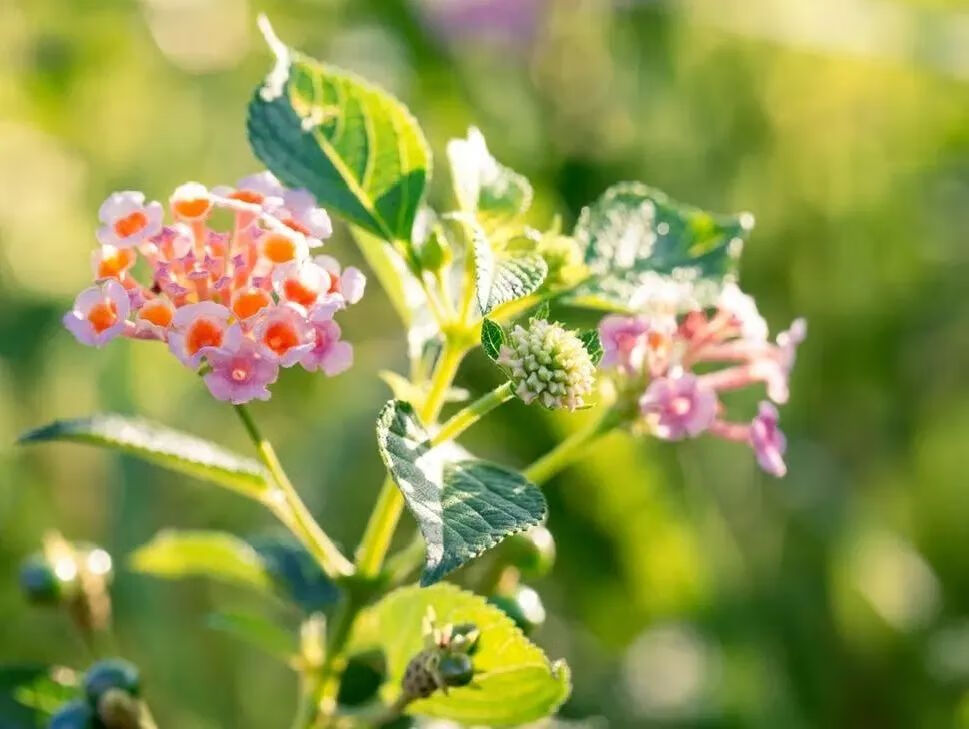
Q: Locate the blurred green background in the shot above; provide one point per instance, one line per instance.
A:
(690, 590)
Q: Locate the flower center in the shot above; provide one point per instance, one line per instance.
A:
(115, 260)
(247, 196)
(130, 224)
(278, 248)
(240, 373)
(249, 302)
(626, 341)
(103, 315)
(299, 292)
(202, 333)
(681, 405)
(280, 337)
(191, 209)
(156, 312)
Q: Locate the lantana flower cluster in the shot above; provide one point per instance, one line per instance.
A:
(683, 365)
(238, 304)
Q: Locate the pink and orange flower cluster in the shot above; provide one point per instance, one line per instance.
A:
(684, 364)
(238, 304)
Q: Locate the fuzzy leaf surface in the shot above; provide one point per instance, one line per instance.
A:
(463, 506)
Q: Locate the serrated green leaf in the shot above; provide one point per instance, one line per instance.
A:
(542, 311)
(463, 506)
(482, 185)
(351, 144)
(163, 446)
(256, 630)
(640, 246)
(593, 345)
(176, 554)
(514, 682)
(503, 276)
(492, 337)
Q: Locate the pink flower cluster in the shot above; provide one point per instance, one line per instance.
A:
(241, 303)
(729, 347)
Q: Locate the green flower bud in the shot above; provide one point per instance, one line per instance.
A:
(532, 552)
(420, 677)
(456, 669)
(73, 715)
(548, 363)
(523, 605)
(113, 673)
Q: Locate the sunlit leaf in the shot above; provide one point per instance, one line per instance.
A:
(593, 345)
(484, 186)
(351, 144)
(642, 248)
(163, 446)
(514, 682)
(175, 554)
(505, 275)
(463, 506)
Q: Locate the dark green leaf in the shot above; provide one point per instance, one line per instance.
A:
(514, 683)
(163, 446)
(351, 144)
(296, 574)
(463, 506)
(639, 244)
(492, 337)
(593, 345)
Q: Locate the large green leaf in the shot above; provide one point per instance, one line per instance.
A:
(514, 682)
(642, 247)
(505, 275)
(176, 554)
(161, 445)
(484, 186)
(463, 506)
(351, 144)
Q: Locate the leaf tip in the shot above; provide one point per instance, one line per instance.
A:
(275, 82)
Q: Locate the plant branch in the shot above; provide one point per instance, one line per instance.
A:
(289, 507)
(465, 418)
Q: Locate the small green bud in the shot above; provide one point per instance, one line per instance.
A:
(42, 585)
(532, 552)
(435, 252)
(523, 605)
(456, 669)
(548, 363)
(113, 673)
(73, 715)
(118, 709)
(420, 677)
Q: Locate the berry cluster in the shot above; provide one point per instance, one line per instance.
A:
(682, 365)
(242, 302)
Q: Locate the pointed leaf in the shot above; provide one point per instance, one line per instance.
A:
(163, 446)
(643, 248)
(514, 683)
(593, 345)
(174, 554)
(463, 506)
(505, 276)
(296, 574)
(351, 144)
(256, 630)
(492, 337)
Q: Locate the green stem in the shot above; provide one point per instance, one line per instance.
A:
(464, 419)
(292, 511)
(573, 447)
(380, 529)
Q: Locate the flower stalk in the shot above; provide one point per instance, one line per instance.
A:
(289, 507)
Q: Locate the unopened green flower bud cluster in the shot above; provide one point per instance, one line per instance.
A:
(548, 363)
